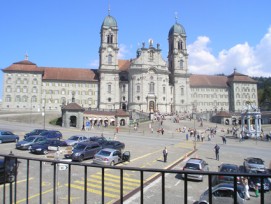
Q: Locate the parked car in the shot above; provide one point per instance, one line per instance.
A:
(114, 145)
(10, 166)
(226, 168)
(111, 157)
(7, 136)
(83, 150)
(43, 147)
(195, 164)
(26, 143)
(254, 164)
(52, 134)
(34, 132)
(73, 140)
(254, 181)
(100, 140)
(223, 193)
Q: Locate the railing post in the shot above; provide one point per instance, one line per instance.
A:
(210, 188)
(185, 188)
(141, 187)
(121, 185)
(235, 189)
(40, 182)
(85, 185)
(102, 185)
(163, 187)
(262, 190)
(69, 185)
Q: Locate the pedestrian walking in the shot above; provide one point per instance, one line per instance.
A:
(217, 148)
(162, 131)
(165, 153)
(186, 136)
(245, 184)
(240, 137)
(224, 140)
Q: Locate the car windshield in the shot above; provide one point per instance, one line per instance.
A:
(230, 169)
(255, 161)
(30, 139)
(74, 138)
(44, 133)
(104, 153)
(192, 166)
(80, 147)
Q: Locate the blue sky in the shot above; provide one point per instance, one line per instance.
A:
(221, 35)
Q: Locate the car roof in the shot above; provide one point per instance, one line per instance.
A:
(88, 143)
(251, 158)
(194, 160)
(110, 149)
(37, 136)
(228, 185)
(229, 165)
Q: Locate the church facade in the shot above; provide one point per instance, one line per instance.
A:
(146, 83)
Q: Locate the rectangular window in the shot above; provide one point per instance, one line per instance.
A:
(109, 88)
(137, 88)
(164, 90)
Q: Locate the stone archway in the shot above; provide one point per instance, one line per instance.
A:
(151, 106)
(73, 121)
(124, 106)
(122, 122)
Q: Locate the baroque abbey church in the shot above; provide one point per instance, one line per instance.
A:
(146, 83)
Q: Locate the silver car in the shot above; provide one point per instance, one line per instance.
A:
(73, 140)
(110, 157)
(195, 164)
(254, 164)
(223, 193)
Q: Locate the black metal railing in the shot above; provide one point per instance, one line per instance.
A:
(17, 166)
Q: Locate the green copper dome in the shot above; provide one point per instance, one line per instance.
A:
(110, 21)
(177, 28)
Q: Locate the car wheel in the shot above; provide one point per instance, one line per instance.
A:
(81, 158)
(45, 151)
(112, 163)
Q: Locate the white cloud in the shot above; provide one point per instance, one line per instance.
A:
(253, 61)
(94, 64)
(123, 51)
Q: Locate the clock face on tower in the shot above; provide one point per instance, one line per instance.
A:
(109, 49)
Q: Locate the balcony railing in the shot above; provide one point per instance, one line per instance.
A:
(35, 174)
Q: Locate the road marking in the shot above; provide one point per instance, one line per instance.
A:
(118, 177)
(21, 181)
(36, 195)
(114, 180)
(109, 184)
(110, 195)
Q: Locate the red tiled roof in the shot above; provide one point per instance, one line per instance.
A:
(208, 81)
(124, 65)
(23, 66)
(70, 74)
(237, 77)
(72, 106)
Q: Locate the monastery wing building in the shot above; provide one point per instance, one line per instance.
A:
(146, 83)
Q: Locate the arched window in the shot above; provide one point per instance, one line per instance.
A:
(18, 89)
(151, 87)
(9, 81)
(24, 98)
(181, 64)
(25, 81)
(8, 98)
(109, 59)
(35, 81)
(25, 89)
(35, 90)
(110, 38)
(8, 89)
(34, 99)
(180, 45)
(18, 99)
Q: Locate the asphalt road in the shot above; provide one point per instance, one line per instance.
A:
(146, 150)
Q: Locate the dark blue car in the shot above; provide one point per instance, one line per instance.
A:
(43, 148)
(52, 134)
(34, 132)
